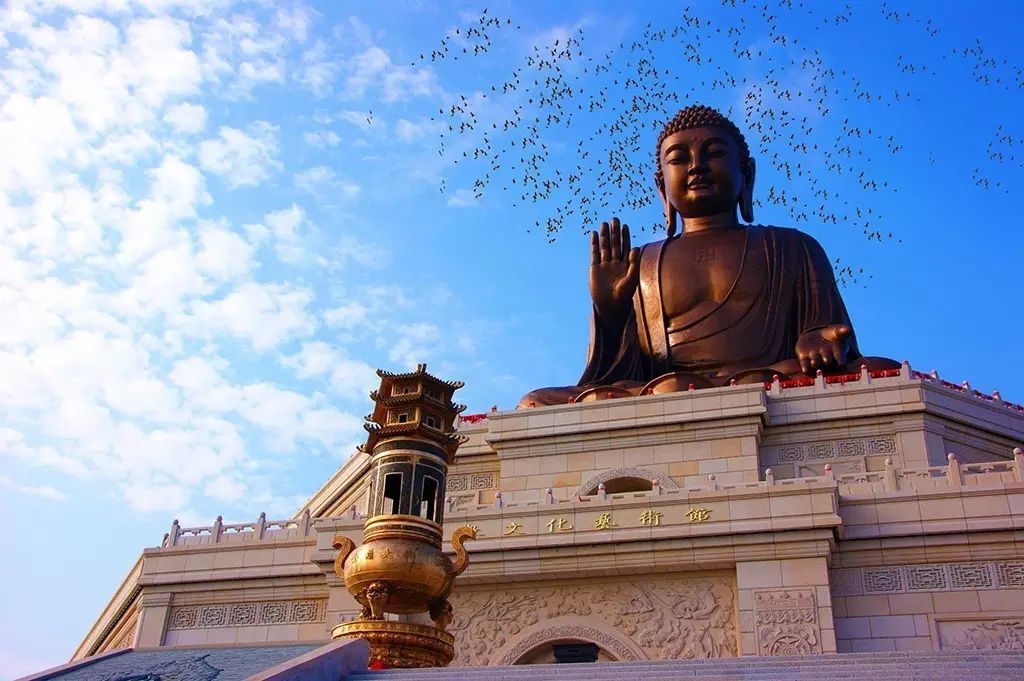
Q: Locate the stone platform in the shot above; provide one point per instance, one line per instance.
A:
(862, 666)
(866, 513)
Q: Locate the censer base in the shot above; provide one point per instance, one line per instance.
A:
(401, 644)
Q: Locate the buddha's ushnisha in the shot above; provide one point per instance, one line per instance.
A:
(716, 301)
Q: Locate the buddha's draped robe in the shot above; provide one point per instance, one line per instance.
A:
(785, 287)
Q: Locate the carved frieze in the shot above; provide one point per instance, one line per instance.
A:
(827, 450)
(787, 622)
(212, 615)
(467, 482)
(1005, 634)
(589, 486)
(966, 576)
(667, 618)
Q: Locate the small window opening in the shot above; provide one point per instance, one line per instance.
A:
(428, 503)
(392, 492)
(403, 417)
(430, 421)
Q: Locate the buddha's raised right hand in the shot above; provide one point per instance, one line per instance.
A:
(614, 271)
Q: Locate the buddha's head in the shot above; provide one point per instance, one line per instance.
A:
(703, 166)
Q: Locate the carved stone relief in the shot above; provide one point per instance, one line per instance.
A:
(591, 484)
(787, 622)
(1005, 634)
(466, 482)
(665, 618)
(247, 614)
(828, 450)
(966, 576)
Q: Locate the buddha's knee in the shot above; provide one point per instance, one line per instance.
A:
(542, 397)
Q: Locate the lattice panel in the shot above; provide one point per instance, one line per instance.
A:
(933, 577)
(247, 614)
(828, 450)
(882, 580)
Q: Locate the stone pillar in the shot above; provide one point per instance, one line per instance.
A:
(785, 607)
(154, 609)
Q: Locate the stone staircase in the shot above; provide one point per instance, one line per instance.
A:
(909, 666)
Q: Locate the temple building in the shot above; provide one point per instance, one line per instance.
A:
(879, 511)
(731, 481)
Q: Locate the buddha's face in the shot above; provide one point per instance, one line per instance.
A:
(702, 171)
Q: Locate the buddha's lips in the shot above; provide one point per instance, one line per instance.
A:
(699, 184)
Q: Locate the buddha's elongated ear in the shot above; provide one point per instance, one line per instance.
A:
(747, 194)
(667, 207)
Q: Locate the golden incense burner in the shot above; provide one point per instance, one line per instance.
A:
(400, 568)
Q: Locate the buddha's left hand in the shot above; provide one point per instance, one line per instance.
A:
(823, 348)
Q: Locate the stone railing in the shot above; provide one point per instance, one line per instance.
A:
(953, 474)
(966, 389)
(891, 479)
(225, 533)
(905, 373)
(990, 474)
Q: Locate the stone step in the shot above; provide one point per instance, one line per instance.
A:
(915, 666)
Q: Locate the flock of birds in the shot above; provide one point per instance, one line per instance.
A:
(561, 102)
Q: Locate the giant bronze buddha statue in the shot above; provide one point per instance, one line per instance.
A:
(717, 301)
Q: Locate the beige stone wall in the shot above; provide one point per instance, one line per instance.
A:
(785, 607)
(930, 606)
(894, 547)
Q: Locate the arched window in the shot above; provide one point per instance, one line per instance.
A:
(623, 485)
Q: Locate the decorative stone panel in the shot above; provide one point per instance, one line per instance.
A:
(466, 482)
(931, 577)
(970, 576)
(1005, 634)
(827, 450)
(787, 622)
(686, 617)
(247, 614)
(926, 578)
(1010, 574)
(883, 580)
(589, 485)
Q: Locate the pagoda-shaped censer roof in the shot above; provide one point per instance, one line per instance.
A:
(414, 404)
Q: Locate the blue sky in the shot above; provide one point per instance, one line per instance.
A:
(217, 218)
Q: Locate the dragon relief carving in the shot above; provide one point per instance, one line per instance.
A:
(668, 619)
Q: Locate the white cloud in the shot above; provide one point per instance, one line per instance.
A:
(317, 70)
(242, 159)
(373, 69)
(243, 54)
(347, 315)
(463, 198)
(223, 254)
(294, 21)
(265, 315)
(315, 358)
(321, 181)
(321, 139)
(285, 229)
(45, 491)
(186, 118)
(408, 131)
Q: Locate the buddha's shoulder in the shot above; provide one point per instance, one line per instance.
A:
(787, 236)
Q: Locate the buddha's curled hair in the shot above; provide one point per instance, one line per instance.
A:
(698, 116)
